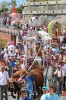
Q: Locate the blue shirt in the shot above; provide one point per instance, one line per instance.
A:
(11, 64)
(26, 98)
(55, 50)
(53, 97)
(29, 83)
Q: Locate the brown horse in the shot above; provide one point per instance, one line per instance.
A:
(18, 73)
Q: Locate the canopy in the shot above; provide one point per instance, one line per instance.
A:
(32, 35)
(35, 21)
(44, 35)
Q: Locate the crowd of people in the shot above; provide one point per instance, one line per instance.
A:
(13, 58)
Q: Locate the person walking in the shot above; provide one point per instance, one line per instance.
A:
(30, 82)
(23, 95)
(4, 81)
(59, 78)
(45, 91)
(51, 95)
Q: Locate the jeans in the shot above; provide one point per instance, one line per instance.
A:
(59, 86)
(3, 89)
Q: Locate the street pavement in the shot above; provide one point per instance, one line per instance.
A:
(10, 98)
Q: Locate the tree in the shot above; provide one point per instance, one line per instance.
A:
(4, 6)
(13, 3)
(37, 0)
(20, 8)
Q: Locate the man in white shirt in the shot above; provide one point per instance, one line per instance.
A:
(4, 77)
(60, 77)
(64, 72)
(6, 55)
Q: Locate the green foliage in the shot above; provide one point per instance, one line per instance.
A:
(3, 42)
(15, 25)
(4, 6)
(12, 3)
(35, 65)
(20, 8)
(37, 0)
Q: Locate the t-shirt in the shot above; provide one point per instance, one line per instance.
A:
(4, 77)
(42, 97)
(11, 64)
(64, 98)
(29, 83)
(64, 70)
(26, 98)
(49, 97)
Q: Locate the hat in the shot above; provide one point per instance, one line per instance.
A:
(58, 65)
(44, 88)
(2, 66)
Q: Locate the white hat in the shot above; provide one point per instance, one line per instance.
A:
(58, 65)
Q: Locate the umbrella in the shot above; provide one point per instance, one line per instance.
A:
(13, 14)
(8, 43)
(12, 42)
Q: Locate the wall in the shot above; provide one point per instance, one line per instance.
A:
(5, 36)
(48, 8)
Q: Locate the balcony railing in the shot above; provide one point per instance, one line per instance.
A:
(11, 31)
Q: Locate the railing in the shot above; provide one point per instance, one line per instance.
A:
(11, 31)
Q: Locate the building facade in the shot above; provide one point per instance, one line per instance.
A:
(56, 8)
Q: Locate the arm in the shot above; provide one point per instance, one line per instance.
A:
(62, 71)
(34, 86)
(55, 72)
(24, 82)
(62, 78)
(7, 79)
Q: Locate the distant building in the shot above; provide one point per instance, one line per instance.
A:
(56, 8)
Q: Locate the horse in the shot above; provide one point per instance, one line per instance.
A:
(38, 75)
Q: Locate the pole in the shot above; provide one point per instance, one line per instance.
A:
(43, 53)
(26, 53)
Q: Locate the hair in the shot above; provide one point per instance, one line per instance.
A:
(52, 86)
(22, 91)
(64, 89)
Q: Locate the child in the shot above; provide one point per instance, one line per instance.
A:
(22, 95)
(64, 93)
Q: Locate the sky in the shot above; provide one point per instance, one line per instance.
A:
(19, 2)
